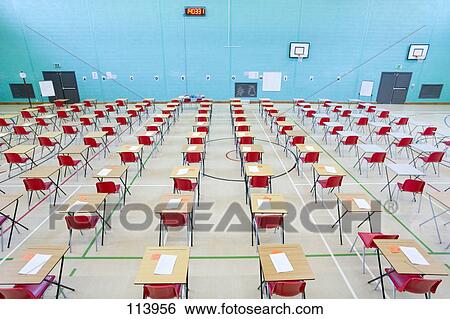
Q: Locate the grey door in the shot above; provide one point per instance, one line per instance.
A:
(393, 87)
(65, 85)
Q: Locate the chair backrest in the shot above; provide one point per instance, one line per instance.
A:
(402, 121)
(346, 113)
(240, 119)
(20, 130)
(350, 140)
(310, 113)
(13, 158)
(62, 114)
(15, 293)
(203, 129)
(196, 140)
(87, 103)
(81, 222)
(153, 128)
(269, 221)
(120, 102)
(45, 141)
(334, 181)
(382, 236)
(26, 114)
(422, 285)
(41, 109)
(252, 157)
(202, 119)
(286, 128)
(161, 291)
(405, 141)
(66, 160)
(109, 130)
(4, 123)
(337, 108)
(413, 185)
(202, 111)
(110, 108)
(193, 157)
(435, 157)
(384, 130)
(67, 129)
(121, 120)
(41, 122)
(238, 111)
(86, 121)
(311, 157)
(337, 129)
(378, 157)
(99, 113)
(59, 103)
(288, 288)
(362, 121)
(243, 128)
(75, 108)
(281, 118)
(145, 140)
(246, 140)
(174, 219)
(91, 142)
(429, 131)
(259, 181)
(33, 184)
(298, 140)
(133, 113)
(108, 187)
(383, 115)
(128, 157)
(183, 184)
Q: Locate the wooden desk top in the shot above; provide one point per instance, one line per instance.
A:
(145, 273)
(127, 116)
(8, 199)
(304, 148)
(93, 200)
(197, 124)
(116, 171)
(88, 116)
(41, 171)
(185, 207)
(350, 205)
(20, 149)
(60, 100)
(193, 172)
(295, 132)
(238, 124)
(96, 134)
(148, 133)
(441, 197)
(26, 124)
(264, 170)
(74, 149)
(277, 204)
(321, 170)
(238, 115)
(401, 263)
(296, 256)
(54, 134)
(136, 148)
(9, 271)
(193, 148)
(197, 134)
(9, 116)
(3, 134)
(251, 148)
(285, 123)
(244, 134)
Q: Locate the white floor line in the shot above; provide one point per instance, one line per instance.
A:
(312, 218)
(34, 230)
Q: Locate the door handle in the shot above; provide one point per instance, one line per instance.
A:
(68, 88)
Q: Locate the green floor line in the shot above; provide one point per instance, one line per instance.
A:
(447, 266)
(440, 253)
(7, 259)
(366, 190)
(72, 272)
(119, 202)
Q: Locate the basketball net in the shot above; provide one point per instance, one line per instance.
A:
(300, 58)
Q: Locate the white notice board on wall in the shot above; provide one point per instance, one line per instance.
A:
(47, 88)
(271, 81)
(366, 88)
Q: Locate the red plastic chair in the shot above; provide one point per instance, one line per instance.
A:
(375, 158)
(26, 115)
(130, 157)
(253, 157)
(47, 143)
(428, 132)
(91, 142)
(204, 129)
(174, 220)
(88, 104)
(27, 291)
(268, 222)
(15, 159)
(403, 144)
(246, 140)
(145, 140)
(42, 109)
(21, 131)
(297, 140)
(107, 187)
(120, 102)
(162, 291)
(82, 222)
(4, 123)
(368, 243)
(100, 114)
(414, 186)
(330, 183)
(184, 184)
(62, 115)
(383, 115)
(67, 162)
(75, 108)
(35, 185)
(86, 122)
(309, 158)
(240, 119)
(350, 141)
(415, 284)
(336, 129)
(111, 108)
(41, 123)
(69, 130)
(59, 103)
(346, 114)
(323, 120)
(259, 182)
(193, 158)
(243, 128)
(402, 121)
(432, 159)
(111, 131)
(287, 288)
(362, 123)
(383, 132)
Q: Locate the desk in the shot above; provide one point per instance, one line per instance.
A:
(5, 201)
(9, 271)
(262, 170)
(194, 148)
(93, 202)
(303, 148)
(249, 148)
(396, 137)
(180, 273)
(29, 125)
(11, 116)
(400, 170)
(91, 117)
(366, 149)
(78, 150)
(116, 172)
(321, 170)
(3, 136)
(373, 126)
(401, 263)
(192, 135)
(100, 135)
(193, 173)
(297, 258)
(55, 135)
(348, 204)
(22, 150)
(45, 171)
(423, 149)
(343, 135)
(128, 120)
(443, 199)
(277, 204)
(61, 101)
(329, 126)
(136, 149)
(186, 207)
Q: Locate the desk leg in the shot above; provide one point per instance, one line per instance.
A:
(60, 277)
(103, 221)
(261, 283)
(381, 274)
(13, 222)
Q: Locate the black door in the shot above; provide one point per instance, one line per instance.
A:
(393, 87)
(65, 85)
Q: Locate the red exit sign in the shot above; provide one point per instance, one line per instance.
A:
(195, 11)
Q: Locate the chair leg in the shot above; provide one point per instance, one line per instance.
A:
(420, 203)
(354, 243)
(95, 237)
(70, 240)
(364, 260)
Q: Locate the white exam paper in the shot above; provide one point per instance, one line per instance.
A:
(77, 206)
(253, 169)
(264, 204)
(165, 265)
(414, 256)
(281, 262)
(330, 169)
(34, 265)
(182, 171)
(361, 203)
(173, 203)
(104, 172)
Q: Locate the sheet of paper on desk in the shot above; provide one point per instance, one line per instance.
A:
(77, 206)
(35, 264)
(264, 204)
(165, 265)
(281, 262)
(309, 148)
(253, 169)
(330, 169)
(246, 149)
(414, 256)
(173, 203)
(182, 171)
(134, 148)
(361, 203)
(104, 172)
